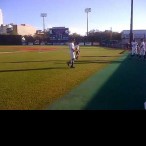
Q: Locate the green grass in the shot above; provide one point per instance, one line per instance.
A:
(33, 80)
(120, 86)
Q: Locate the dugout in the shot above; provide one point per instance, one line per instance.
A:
(10, 40)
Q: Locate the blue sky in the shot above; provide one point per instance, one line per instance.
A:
(70, 13)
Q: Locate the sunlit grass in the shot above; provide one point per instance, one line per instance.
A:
(33, 80)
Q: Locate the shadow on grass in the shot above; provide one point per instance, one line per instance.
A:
(95, 61)
(35, 69)
(90, 62)
(37, 61)
(99, 56)
(125, 89)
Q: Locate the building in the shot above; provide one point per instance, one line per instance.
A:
(13, 29)
(24, 29)
(59, 34)
(1, 17)
(137, 34)
(3, 29)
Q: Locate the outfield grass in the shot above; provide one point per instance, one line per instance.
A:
(32, 80)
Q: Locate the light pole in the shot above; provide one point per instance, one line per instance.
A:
(87, 10)
(131, 24)
(44, 15)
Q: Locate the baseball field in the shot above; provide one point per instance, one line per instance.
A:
(34, 77)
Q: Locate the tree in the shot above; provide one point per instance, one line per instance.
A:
(76, 36)
(29, 38)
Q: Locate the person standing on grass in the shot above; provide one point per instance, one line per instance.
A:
(138, 49)
(142, 49)
(70, 63)
(77, 48)
(134, 48)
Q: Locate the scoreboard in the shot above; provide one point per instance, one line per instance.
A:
(59, 34)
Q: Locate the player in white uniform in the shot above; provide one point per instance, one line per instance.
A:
(134, 48)
(142, 49)
(72, 54)
(77, 49)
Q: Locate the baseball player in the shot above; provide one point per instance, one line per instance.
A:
(142, 49)
(72, 54)
(134, 48)
(77, 49)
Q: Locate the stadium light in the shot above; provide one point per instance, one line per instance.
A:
(43, 15)
(131, 24)
(87, 10)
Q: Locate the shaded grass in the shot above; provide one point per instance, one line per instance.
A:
(120, 86)
(33, 80)
(124, 90)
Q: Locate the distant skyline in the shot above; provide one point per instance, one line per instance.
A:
(105, 14)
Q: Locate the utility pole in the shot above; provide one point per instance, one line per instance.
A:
(131, 25)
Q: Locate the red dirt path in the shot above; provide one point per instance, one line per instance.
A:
(38, 49)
